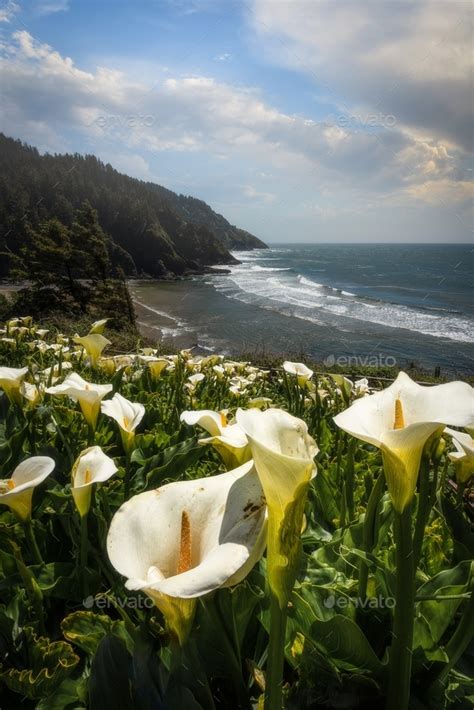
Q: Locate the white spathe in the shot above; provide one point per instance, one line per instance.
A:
(91, 466)
(299, 370)
(463, 457)
(94, 344)
(88, 395)
(189, 538)
(229, 439)
(17, 491)
(226, 515)
(98, 326)
(10, 381)
(128, 416)
(400, 419)
(283, 454)
(282, 449)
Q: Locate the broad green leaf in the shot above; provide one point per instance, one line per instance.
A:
(49, 663)
(86, 630)
(110, 682)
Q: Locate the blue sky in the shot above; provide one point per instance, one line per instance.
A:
(301, 120)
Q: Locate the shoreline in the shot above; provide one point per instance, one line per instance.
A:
(165, 319)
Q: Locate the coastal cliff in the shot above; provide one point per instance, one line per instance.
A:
(153, 231)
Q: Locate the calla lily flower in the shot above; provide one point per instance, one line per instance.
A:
(91, 466)
(400, 419)
(259, 402)
(87, 394)
(10, 382)
(229, 439)
(361, 387)
(98, 326)
(345, 386)
(463, 457)
(17, 491)
(283, 453)
(128, 416)
(299, 370)
(193, 381)
(93, 344)
(32, 393)
(189, 538)
(156, 365)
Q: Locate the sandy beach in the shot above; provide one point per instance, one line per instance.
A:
(156, 323)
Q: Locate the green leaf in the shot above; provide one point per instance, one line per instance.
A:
(86, 630)
(171, 462)
(433, 617)
(49, 663)
(109, 682)
(339, 637)
(68, 696)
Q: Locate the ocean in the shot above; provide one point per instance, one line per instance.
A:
(377, 304)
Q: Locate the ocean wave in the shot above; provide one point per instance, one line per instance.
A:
(312, 301)
(256, 267)
(308, 282)
(157, 312)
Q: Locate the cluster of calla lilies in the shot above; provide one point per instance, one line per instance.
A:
(188, 538)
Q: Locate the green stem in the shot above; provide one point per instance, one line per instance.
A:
(398, 695)
(127, 476)
(33, 545)
(458, 642)
(84, 553)
(424, 510)
(32, 588)
(368, 532)
(459, 494)
(349, 480)
(276, 656)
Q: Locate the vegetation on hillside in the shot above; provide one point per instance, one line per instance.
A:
(152, 231)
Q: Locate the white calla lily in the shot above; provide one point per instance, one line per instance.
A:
(298, 370)
(10, 382)
(400, 419)
(361, 387)
(17, 491)
(155, 365)
(31, 392)
(128, 416)
(189, 538)
(91, 466)
(93, 344)
(229, 439)
(283, 453)
(463, 457)
(98, 326)
(193, 381)
(88, 395)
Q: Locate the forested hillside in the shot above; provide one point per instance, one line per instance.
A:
(152, 231)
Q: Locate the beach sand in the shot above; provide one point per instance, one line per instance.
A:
(155, 324)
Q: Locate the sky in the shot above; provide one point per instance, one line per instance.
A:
(298, 120)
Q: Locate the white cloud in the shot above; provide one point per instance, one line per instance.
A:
(253, 194)
(49, 7)
(8, 11)
(47, 98)
(411, 60)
